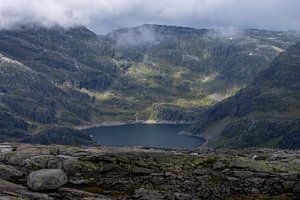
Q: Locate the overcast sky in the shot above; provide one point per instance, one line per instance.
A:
(104, 15)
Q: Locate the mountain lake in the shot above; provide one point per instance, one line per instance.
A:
(148, 135)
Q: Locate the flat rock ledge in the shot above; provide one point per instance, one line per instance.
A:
(66, 172)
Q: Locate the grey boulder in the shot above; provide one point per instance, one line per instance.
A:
(46, 179)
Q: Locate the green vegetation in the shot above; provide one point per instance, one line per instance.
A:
(266, 111)
(58, 77)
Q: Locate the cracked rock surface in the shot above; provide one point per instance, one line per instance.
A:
(67, 172)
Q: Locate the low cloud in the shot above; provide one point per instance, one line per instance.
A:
(104, 15)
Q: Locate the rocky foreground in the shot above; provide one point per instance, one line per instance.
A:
(65, 172)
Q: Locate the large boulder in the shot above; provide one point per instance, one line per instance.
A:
(46, 179)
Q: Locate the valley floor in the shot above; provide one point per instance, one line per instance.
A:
(140, 173)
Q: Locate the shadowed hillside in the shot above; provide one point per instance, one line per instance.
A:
(265, 113)
(72, 77)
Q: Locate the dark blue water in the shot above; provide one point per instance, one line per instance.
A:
(150, 135)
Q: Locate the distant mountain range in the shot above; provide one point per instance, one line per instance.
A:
(55, 77)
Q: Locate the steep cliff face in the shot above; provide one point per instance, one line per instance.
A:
(265, 113)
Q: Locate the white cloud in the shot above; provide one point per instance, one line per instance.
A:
(103, 15)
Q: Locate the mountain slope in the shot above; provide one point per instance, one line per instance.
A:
(29, 101)
(61, 54)
(149, 71)
(265, 113)
(182, 69)
(70, 77)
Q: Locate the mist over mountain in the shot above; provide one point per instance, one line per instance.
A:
(104, 15)
(150, 100)
(72, 77)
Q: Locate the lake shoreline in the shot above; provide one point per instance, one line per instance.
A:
(186, 133)
(119, 123)
(147, 122)
(151, 135)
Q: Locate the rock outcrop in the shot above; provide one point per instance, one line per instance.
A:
(139, 173)
(46, 179)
